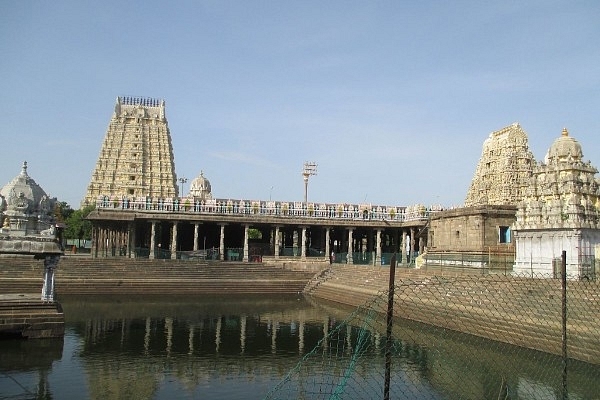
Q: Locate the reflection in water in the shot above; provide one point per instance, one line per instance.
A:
(242, 347)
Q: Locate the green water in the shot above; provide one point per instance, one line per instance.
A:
(234, 347)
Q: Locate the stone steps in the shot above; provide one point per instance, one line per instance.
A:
(79, 275)
(26, 316)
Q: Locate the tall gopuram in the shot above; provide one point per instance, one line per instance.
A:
(504, 169)
(136, 158)
(560, 211)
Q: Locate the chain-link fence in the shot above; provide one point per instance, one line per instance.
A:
(460, 337)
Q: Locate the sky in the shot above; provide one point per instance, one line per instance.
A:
(391, 99)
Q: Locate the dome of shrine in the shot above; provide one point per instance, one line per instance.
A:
(200, 187)
(24, 195)
(565, 148)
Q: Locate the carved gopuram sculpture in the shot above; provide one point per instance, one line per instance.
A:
(136, 158)
(502, 175)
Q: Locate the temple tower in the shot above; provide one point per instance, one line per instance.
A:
(504, 169)
(136, 158)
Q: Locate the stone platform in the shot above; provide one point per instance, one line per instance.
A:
(24, 315)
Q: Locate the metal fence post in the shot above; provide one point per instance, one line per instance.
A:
(390, 316)
(564, 324)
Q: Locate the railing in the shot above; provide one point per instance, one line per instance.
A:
(340, 211)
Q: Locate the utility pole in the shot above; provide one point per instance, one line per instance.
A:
(310, 168)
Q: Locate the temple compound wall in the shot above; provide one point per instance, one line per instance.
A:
(472, 229)
(136, 158)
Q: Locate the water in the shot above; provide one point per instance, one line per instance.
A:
(232, 347)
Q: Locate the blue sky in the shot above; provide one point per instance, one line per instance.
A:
(392, 99)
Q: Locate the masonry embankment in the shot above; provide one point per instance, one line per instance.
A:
(519, 311)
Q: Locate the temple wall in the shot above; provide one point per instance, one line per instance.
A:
(470, 229)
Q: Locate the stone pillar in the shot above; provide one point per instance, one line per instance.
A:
(303, 251)
(94, 249)
(403, 247)
(132, 240)
(104, 236)
(295, 242)
(196, 226)
(421, 245)
(222, 243)
(277, 242)
(412, 243)
(50, 264)
(246, 228)
(327, 247)
(349, 259)
(174, 242)
(152, 241)
(378, 247)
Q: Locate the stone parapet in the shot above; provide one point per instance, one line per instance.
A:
(30, 245)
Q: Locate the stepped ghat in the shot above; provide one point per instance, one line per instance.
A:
(141, 277)
(518, 311)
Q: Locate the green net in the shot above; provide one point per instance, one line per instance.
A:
(455, 337)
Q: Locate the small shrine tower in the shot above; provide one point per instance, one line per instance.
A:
(136, 158)
(561, 211)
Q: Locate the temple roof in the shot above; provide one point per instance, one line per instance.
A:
(564, 148)
(24, 193)
(200, 187)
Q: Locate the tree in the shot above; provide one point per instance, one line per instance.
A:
(62, 211)
(78, 227)
(254, 233)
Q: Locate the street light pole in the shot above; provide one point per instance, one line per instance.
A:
(182, 181)
(310, 168)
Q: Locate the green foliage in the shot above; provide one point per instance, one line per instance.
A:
(78, 227)
(62, 211)
(254, 233)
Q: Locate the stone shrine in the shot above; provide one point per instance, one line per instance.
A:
(136, 158)
(25, 208)
(200, 188)
(560, 211)
(503, 171)
(28, 227)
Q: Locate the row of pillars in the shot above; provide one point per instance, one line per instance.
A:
(111, 242)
